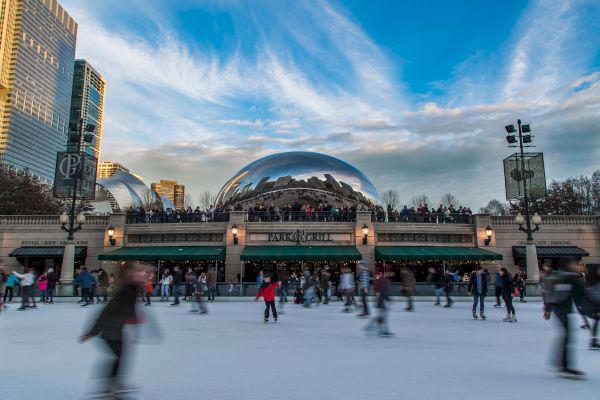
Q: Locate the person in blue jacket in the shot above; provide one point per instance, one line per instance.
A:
(86, 281)
(9, 287)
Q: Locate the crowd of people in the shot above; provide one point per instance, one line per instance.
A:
(322, 212)
(141, 215)
(422, 213)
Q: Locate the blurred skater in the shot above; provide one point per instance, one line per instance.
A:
(9, 287)
(148, 288)
(447, 281)
(199, 305)
(379, 323)
(408, 287)
(52, 282)
(177, 281)
(119, 311)
(191, 281)
(364, 281)
(165, 284)
(325, 285)
(498, 286)
(43, 285)
(309, 288)
(267, 291)
(347, 286)
(588, 305)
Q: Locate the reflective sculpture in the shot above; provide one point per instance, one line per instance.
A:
(301, 177)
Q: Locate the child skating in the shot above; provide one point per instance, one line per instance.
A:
(267, 291)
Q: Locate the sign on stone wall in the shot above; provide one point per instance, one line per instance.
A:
(299, 236)
(75, 168)
(176, 237)
(424, 237)
(547, 243)
(31, 243)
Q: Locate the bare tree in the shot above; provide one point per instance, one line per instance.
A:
(149, 199)
(391, 198)
(449, 199)
(206, 200)
(495, 207)
(188, 201)
(420, 200)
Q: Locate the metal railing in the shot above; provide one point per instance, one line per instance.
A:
(175, 217)
(431, 218)
(300, 216)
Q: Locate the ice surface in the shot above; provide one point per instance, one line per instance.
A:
(319, 353)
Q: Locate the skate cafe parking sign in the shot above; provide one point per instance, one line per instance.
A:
(300, 236)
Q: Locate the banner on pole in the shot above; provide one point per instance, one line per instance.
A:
(528, 173)
(72, 165)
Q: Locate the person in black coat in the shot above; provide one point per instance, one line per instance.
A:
(508, 288)
(110, 323)
(478, 287)
(177, 281)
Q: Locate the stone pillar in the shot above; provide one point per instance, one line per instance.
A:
(68, 263)
(480, 222)
(533, 269)
(233, 263)
(367, 251)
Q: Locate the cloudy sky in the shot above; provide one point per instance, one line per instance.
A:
(415, 94)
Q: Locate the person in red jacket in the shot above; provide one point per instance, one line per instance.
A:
(267, 291)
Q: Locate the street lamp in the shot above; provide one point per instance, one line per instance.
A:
(524, 137)
(234, 232)
(74, 226)
(488, 235)
(365, 231)
(111, 235)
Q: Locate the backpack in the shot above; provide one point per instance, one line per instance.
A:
(588, 303)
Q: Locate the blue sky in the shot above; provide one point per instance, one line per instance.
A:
(415, 94)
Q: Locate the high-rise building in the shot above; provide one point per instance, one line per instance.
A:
(106, 169)
(87, 104)
(37, 51)
(171, 190)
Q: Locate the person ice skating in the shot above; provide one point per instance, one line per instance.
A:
(364, 281)
(27, 281)
(2, 282)
(478, 287)
(309, 288)
(43, 286)
(447, 281)
(86, 281)
(190, 282)
(9, 287)
(379, 323)
(325, 285)
(498, 287)
(561, 285)
(198, 305)
(589, 304)
(520, 279)
(267, 291)
(120, 311)
(436, 279)
(103, 284)
(408, 287)
(347, 286)
(148, 288)
(52, 282)
(260, 278)
(508, 289)
(284, 278)
(299, 295)
(177, 281)
(211, 283)
(165, 285)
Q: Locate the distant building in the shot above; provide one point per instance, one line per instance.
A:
(37, 52)
(171, 190)
(106, 169)
(87, 103)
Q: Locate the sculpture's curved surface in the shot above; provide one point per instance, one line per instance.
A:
(303, 177)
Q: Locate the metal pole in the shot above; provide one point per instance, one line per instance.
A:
(524, 179)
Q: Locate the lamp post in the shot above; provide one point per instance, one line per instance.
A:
(80, 134)
(524, 137)
(488, 235)
(365, 232)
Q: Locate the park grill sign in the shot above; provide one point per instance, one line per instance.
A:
(299, 236)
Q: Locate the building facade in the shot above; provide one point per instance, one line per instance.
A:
(106, 169)
(87, 103)
(170, 190)
(37, 51)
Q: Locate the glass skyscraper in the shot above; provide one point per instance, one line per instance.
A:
(87, 103)
(37, 54)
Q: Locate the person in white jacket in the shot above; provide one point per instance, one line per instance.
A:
(165, 284)
(27, 281)
(347, 287)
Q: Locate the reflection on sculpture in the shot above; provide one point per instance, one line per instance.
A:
(124, 190)
(302, 177)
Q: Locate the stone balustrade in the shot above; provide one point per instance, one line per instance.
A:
(48, 220)
(551, 220)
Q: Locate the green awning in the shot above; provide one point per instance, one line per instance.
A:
(434, 253)
(48, 251)
(165, 253)
(298, 253)
(551, 251)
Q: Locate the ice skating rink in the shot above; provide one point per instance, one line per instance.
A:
(318, 353)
